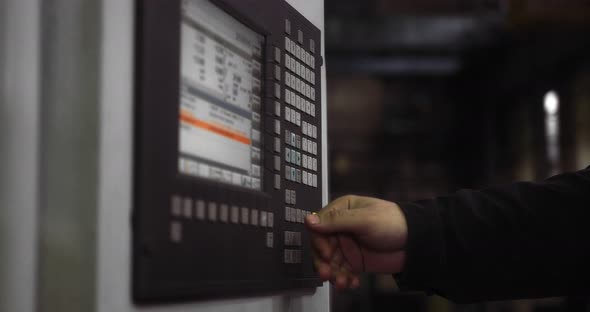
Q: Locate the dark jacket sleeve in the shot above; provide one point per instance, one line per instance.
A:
(522, 240)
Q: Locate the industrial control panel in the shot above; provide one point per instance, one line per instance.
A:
(228, 148)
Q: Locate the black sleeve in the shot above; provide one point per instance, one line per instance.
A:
(523, 240)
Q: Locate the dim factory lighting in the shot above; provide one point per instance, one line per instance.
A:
(551, 103)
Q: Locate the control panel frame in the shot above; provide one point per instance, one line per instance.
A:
(177, 255)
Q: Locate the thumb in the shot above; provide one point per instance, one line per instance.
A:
(337, 218)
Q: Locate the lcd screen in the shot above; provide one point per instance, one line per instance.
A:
(220, 97)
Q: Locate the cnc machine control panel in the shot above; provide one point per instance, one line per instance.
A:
(228, 148)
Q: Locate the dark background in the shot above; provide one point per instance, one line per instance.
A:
(430, 96)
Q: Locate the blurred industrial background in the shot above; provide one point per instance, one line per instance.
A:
(430, 96)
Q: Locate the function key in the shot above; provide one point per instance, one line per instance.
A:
(300, 36)
(287, 26)
(200, 209)
(235, 214)
(175, 208)
(277, 55)
(312, 45)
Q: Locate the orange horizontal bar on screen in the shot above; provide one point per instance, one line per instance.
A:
(215, 129)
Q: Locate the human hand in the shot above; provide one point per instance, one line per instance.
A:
(357, 234)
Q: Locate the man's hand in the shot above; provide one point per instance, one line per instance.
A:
(357, 234)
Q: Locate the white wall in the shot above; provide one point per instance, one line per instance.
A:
(19, 152)
(115, 176)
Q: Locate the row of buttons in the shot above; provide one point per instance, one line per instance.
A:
(309, 130)
(292, 256)
(299, 35)
(302, 104)
(295, 215)
(197, 169)
(299, 53)
(299, 69)
(301, 176)
(296, 158)
(183, 207)
(176, 234)
(293, 116)
(293, 238)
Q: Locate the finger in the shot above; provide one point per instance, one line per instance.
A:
(355, 282)
(337, 217)
(336, 260)
(322, 246)
(323, 269)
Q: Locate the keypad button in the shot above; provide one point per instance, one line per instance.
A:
(224, 213)
(287, 214)
(312, 93)
(304, 161)
(277, 91)
(313, 110)
(277, 127)
(300, 36)
(175, 208)
(245, 215)
(287, 155)
(200, 210)
(175, 232)
(312, 77)
(277, 55)
(212, 212)
(293, 197)
(287, 96)
(270, 221)
(269, 240)
(312, 45)
(299, 216)
(305, 177)
(315, 148)
(286, 44)
(277, 109)
(288, 196)
(313, 62)
(277, 182)
(277, 145)
(254, 217)
(277, 73)
(315, 164)
(298, 175)
(298, 143)
(263, 219)
(187, 208)
(277, 162)
(288, 114)
(235, 214)
(287, 26)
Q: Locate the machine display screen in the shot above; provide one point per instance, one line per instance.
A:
(220, 97)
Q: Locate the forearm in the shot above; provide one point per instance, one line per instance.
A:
(521, 240)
